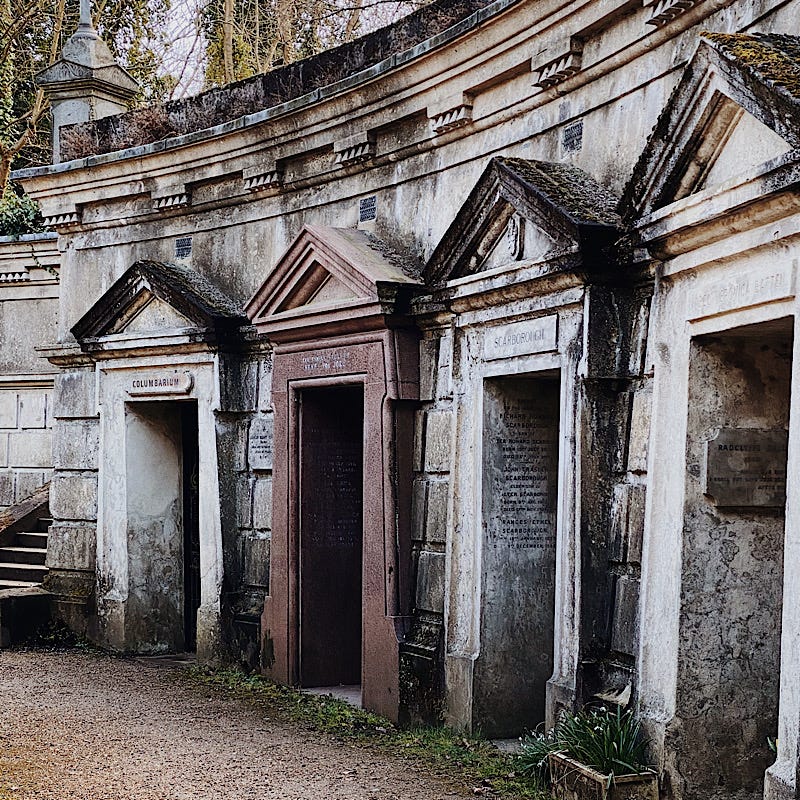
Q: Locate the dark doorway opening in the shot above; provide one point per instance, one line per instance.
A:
(163, 530)
(331, 535)
(191, 525)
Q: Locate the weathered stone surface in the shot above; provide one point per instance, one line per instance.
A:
(3, 449)
(265, 384)
(32, 409)
(627, 522)
(74, 395)
(244, 501)
(430, 581)
(436, 512)
(72, 546)
(438, 438)
(6, 488)
(625, 633)
(76, 444)
(30, 449)
(74, 496)
(27, 482)
(239, 384)
(8, 409)
(428, 368)
(255, 558)
(260, 443)
(640, 430)
(262, 503)
(637, 496)
(418, 509)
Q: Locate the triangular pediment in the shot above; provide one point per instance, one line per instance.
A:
(337, 270)
(150, 314)
(522, 211)
(152, 299)
(729, 115)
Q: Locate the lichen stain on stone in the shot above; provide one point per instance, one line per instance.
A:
(775, 58)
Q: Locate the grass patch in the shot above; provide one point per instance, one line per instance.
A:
(468, 760)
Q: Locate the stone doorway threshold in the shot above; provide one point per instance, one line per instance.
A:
(510, 746)
(347, 694)
(168, 659)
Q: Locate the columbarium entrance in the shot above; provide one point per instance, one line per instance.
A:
(520, 497)
(732, 561)
(161, 454)
(331, 535)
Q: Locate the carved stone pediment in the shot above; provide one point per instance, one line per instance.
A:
(153, 299)
(523, 210)
(730, 114)
(332, 278)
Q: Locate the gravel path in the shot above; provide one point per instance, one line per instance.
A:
(76, 725)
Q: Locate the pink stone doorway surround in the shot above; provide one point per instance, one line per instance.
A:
(350, 343)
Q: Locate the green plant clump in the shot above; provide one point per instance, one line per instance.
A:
(19, 214)
(610, 742)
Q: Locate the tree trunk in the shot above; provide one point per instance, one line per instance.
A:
(227, 39)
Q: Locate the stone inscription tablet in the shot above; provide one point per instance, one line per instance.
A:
(161, 382)
(260, 446)
(538, 335)
(747, 467)
(743, 290)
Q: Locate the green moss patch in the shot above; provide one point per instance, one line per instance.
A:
(774, 58)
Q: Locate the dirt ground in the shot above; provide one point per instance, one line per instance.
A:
(80, 725)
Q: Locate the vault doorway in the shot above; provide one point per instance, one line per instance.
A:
(331, 536)
(163, 532)
(732, 561)
(519, 520)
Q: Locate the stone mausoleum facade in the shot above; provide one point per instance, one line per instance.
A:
(455, 364)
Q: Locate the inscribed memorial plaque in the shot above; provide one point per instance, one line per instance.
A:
(747, 467)
(520, 499)
(260, 444)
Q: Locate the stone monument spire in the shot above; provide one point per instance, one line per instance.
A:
(86, 14)
(86, 83)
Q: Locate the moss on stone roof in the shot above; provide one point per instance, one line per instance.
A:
(772, 58)
(569, 188)
(192, 285)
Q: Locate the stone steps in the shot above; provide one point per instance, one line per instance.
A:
(23, 542)
(23, 555)
(28, 574)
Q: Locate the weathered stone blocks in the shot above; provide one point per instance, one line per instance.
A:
(76, 444)
(74, 497)
(74, 395)
(430, 582)
(262, 503)
(438, 436)
(30, 449)
(72, 546)
(255, 559)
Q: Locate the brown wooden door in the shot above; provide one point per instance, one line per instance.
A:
(331, 535)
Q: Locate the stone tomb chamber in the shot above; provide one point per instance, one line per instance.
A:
(732, 570)
(149, 353)
(344, 390)
(516, 328)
